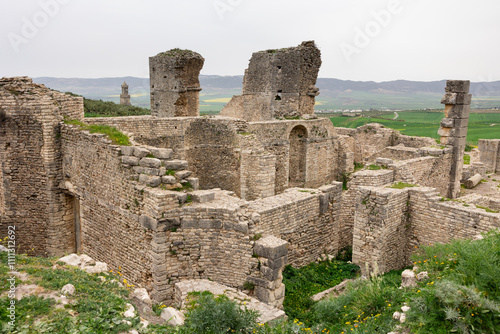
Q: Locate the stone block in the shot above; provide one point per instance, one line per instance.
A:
(182, 197)
(457, 111)
(202, 196)
(447, 122)
(150, 162)
(195, 182)
(168, 179)
(148, 222)
(324, 201)
(130, 160)
(175, 164)
(271, 247)
(264, 295)
(280, 292)
(384, 161)
(182, 174)
(152, 181)
(161, 153)
(141, 152)
(147, 170)
(457, 86)
(127, 150)
(456, 98)
(277, 263)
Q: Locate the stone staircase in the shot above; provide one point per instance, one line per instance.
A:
(155, 167)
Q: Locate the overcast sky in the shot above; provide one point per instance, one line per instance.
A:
(377, 40)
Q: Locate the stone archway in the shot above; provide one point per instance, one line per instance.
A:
(297, 157)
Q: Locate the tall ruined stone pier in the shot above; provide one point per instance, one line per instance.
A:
(175, 87)
(278, 84)
(453, 130)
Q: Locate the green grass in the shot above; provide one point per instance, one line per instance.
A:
(462, 294)
(115, 135)
(302, 283)
(466, 159)
(96, 306)
(486, 209)
(402, 185)
(426, 124)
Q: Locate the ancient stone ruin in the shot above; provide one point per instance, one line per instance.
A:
(278, 84)
(233, 198)
(175, 87)
(124, 96)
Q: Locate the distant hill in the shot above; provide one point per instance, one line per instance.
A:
(334, 93)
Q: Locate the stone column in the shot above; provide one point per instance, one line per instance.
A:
(453, 130)
(272, 253)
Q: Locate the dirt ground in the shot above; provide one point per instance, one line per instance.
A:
(490, 187)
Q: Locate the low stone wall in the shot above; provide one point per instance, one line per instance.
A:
(400, 153)
(152, 131)
(305, 218)
(425, 171)
(391, 223)
(434, 220)
(490, 154)
(380, 228)
(371, 141)
(346, 219)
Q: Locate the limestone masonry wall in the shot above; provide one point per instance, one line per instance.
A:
(31, 166)
(346, 220)
(390, 223)
(152, 131)
(315, 140)
(110, 205)
(434, 220)
(305, 218)
(490, 154)
(371, 141)
(277, 84)
(380, 228)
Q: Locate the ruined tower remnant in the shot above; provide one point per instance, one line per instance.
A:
(453, 130)
(124, 96)
(175, 86)
(278, 83)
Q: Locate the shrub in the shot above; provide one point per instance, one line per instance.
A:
(99, 108)
(214, 315)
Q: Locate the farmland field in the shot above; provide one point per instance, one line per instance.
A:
(426, 124)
